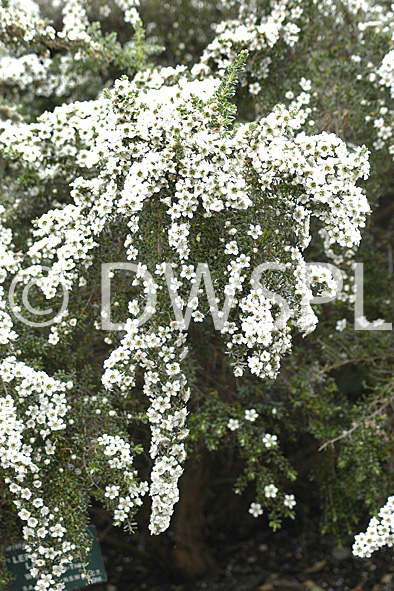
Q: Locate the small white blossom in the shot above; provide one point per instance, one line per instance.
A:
(251, 415)
(270, 440)
(233, 424)
(270, 491)
(255, 509)
(289, 501)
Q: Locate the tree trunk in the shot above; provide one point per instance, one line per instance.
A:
(189, 558)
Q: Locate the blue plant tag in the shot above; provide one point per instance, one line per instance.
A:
(18, 564)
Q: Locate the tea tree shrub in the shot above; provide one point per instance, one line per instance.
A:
(192, 181)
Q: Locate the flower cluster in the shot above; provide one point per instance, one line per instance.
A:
(270, 491)
(119, 457)
(256, 31)
(36, 407)
(380, 532)
(9, 264)
(40, 61)
(166, 388)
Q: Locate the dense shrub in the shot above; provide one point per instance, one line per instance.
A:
(211, 167)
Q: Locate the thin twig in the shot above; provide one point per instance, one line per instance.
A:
(378, 411)
(88, 473)
(347, 361)
(5, 387)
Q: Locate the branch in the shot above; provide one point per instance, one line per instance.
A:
(364, 420)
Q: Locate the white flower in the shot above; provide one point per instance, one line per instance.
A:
(233, 424)
(341, 325)
(231, 248)
(255, 231)
(42, 532)
(289, 501)
(53, 338)
(24, 514)
(111, 491)
(270, 440)
(251, 415)
(255, 509)
(198, 316)
(270, 491)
